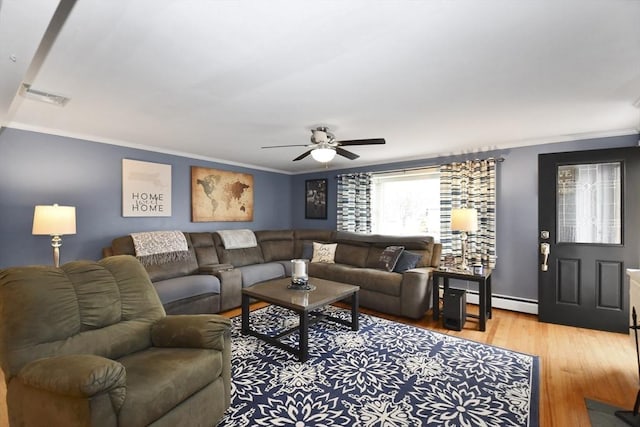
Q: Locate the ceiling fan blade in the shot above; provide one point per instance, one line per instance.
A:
(348, 154)
(290, 145)
(362, 141)
(302, 156)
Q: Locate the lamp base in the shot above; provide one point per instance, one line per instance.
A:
(464, 267)
(463, 241)
(56, 242)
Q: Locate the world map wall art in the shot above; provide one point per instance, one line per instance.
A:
(219, 195)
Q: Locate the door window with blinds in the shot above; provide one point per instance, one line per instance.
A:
(589, 208)
(406, 202)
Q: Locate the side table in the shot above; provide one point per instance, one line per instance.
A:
(484, 284)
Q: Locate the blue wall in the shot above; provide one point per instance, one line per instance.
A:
(44, 169)
(39, 169)
(516, 273)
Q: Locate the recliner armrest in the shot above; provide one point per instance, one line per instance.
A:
(191, 331)
(78, 375)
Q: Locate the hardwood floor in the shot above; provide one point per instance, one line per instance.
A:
(574, 363)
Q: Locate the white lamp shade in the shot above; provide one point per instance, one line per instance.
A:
(464, 219)
(323, 155)
(54, 220)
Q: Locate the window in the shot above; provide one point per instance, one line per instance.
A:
(406, 202)
(590, 203)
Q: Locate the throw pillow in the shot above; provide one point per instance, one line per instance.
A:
(407, 261)
(307, 249)
(324, 252)
(389, 257)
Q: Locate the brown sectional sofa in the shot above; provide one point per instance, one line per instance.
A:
(212, 278)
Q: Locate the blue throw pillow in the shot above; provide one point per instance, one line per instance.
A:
(307, 249)
(407, 261)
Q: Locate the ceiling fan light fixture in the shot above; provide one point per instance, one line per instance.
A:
(323, 154)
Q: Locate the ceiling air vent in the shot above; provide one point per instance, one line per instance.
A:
(37, 95)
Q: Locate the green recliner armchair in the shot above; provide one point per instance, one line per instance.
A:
(89, 344)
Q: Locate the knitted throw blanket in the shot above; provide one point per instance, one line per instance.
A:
(160, 247)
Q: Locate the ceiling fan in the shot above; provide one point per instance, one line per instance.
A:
(324, 146)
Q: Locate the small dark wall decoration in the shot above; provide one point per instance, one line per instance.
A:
(315, 199)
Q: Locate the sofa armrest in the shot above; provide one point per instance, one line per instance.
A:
(436, 255)
(230, 284)
(191, 331)
(78, 375)
(416, 292)
(214, 269)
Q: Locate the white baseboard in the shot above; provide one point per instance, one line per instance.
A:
(507, 303)
(520, 305)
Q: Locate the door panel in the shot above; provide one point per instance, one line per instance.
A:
(568, 281)
(589, 203)
(610, 296)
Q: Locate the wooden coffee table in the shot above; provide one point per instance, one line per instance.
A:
(303, 303)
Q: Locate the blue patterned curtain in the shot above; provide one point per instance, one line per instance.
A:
(354, 202)
(470, 184)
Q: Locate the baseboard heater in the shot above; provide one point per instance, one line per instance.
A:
(521, 305)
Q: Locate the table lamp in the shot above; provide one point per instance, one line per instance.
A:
(464, 220)
(54, 221)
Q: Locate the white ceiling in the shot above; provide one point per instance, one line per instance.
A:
(219, 79)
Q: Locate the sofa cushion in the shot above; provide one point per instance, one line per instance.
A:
(98, 299)
(237, 257)
(389, 257)
(158, 379)
(367, 278)
(276, 245)
(324, 252)
(407, 261)
(418, 244)
(430, 256)
(189, 265)
(335, 272)
(352, 254)
(178, 288)
(301, 236)
(277, 250)
(204, 248)
(252, 274)
(384, 282)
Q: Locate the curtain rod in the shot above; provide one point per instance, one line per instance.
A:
(437, 165)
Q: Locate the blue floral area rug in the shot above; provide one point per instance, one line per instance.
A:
(386, 374)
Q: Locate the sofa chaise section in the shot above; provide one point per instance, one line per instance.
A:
(192, 285)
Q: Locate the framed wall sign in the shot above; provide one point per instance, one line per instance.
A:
(146, 188)
(315, 199)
